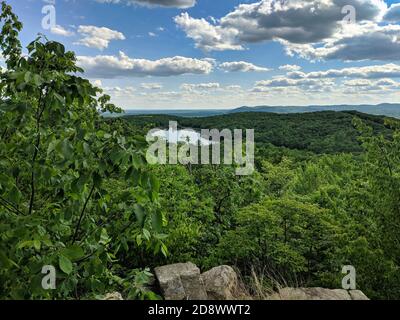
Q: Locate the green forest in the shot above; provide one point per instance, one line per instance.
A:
(76, 191)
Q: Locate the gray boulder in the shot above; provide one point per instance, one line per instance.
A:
(317, 294)
(113, 296)
(357, 295)
(181, 282)
(221, 283)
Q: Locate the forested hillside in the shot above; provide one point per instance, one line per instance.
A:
(324, 195)
(319, 132)
(77, 193)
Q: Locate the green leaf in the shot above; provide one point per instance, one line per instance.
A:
(65, 264)
(73, 252)
(140, 214)
(154, 183)
(38, 80)
(97, 180)
(25, 244)
(146, 234)
(4, 261)
(164, 250)
(27, 76)
(37, 244)
(157, 221)
(65, 148)
(104, 238)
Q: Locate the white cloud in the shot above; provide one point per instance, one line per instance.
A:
(312, 29)
(393, 13)
(304, 92)
(234, 87)
(105, 66)
(241, 66)
(181, 4)
(97, 83)
(290, 67)
(207, 36)
(368, 72)
(309, 85)
(98, 37)
(295, 21)
(120, 92)
(355, 42)
(61, 31)
(200, 86)
(151, 86)
(366, 86)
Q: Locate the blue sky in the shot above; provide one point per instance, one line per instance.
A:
(186, 54)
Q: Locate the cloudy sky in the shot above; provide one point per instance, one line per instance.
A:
(186, 54)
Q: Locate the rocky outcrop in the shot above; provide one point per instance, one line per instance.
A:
(221, 283)
(181, 281)
(357, 295)
(113, 296)
(317, 294)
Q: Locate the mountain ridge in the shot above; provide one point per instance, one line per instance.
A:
(382, 109)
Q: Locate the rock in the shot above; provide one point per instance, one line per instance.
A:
(181, 282)
(113, 296)
(220, 283)
(317, 294)
(310, 294)
(357, 295)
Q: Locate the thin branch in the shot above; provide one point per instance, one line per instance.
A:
(5, 206)
(82, 214)
(4, 133)
(36, 152)
(8, 203)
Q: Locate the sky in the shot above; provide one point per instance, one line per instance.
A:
(212, 54)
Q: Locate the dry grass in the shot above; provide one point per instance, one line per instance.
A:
(264, 284)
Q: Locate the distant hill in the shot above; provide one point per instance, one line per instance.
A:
(319, 132)
(385, 109)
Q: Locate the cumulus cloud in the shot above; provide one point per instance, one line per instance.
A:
(181, 4)
(283, 82)
(368, 83)
(241, 66)
(389, 70)
(151, 86)
(200, 86)
(353, 80)
(355, 42)
(295, 21)
(207, 36)
(393, 13)
(61, 31)
(290, 67)
(312, 29)
(98, 37)
(118, 92)
(106, 66)
(366, 86)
